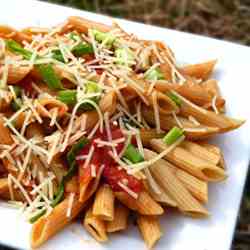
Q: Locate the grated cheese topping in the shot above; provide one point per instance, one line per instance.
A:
(33, 155)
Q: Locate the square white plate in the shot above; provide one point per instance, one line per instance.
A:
(180, 232)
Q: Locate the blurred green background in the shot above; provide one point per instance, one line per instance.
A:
(224, 19)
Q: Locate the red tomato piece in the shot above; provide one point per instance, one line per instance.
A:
(26, 84)
(85, 173)
(112, 175)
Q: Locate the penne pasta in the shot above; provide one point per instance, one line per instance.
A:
(88, 188)
(107, 104)
(212, 87)
(48, 226)
(201, 152)
(95, 226)
(120, 221)
(200, 70)
(16, 73)
(165, 104)
(197, 187)
(209, 118)
(216, 150)
(47, 105)
(163, 197)
(192, 131)
(10, 33)
(103, 206)
(5, 135)
(196, 166)
(147, 135)
(5, 193)
(150, 229)
(197, 94)
(144, 204)
(164, 176)
(83, 25)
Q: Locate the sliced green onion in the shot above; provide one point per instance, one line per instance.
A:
(57, 55)
(175, 98)
(82, 49)
(73, 36)
(36, 217)
(173, 135)
(128, 122)
(91, 88)
(18, 49)
(71, 155)
(67, 96)
(103, 37)
(154, 74)
(59, 194)
(124, 56)
(17, 90)
(132, 154)
(16, 104)
(49, 76)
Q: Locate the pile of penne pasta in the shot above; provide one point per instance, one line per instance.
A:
(98, 124)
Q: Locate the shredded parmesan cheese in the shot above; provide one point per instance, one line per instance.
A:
(70, 204)
(128, 190)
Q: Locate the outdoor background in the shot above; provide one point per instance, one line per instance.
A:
(223, 19)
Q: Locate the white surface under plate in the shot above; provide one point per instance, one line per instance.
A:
(180, 233)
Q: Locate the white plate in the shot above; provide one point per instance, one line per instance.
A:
(224, 199)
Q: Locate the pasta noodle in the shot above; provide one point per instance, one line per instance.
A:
(190, 163)
(95, 226)
(120, 221)
(199, 71)
(49, 225)
(103, 206)
(143, 205)
(150, 229)
(186, 203)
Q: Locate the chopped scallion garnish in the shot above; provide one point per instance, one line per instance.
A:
(17, 90)
(132, 154)
(57, 55)
(107, 38)
(49, 76)
(175, 98)
(15, 47)
(124, 56)
(36, 217)
(154, 74)
(16, 104)
(73, 36)
(173, 135)
(91, 88)
(67, 96)
(82, 49)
